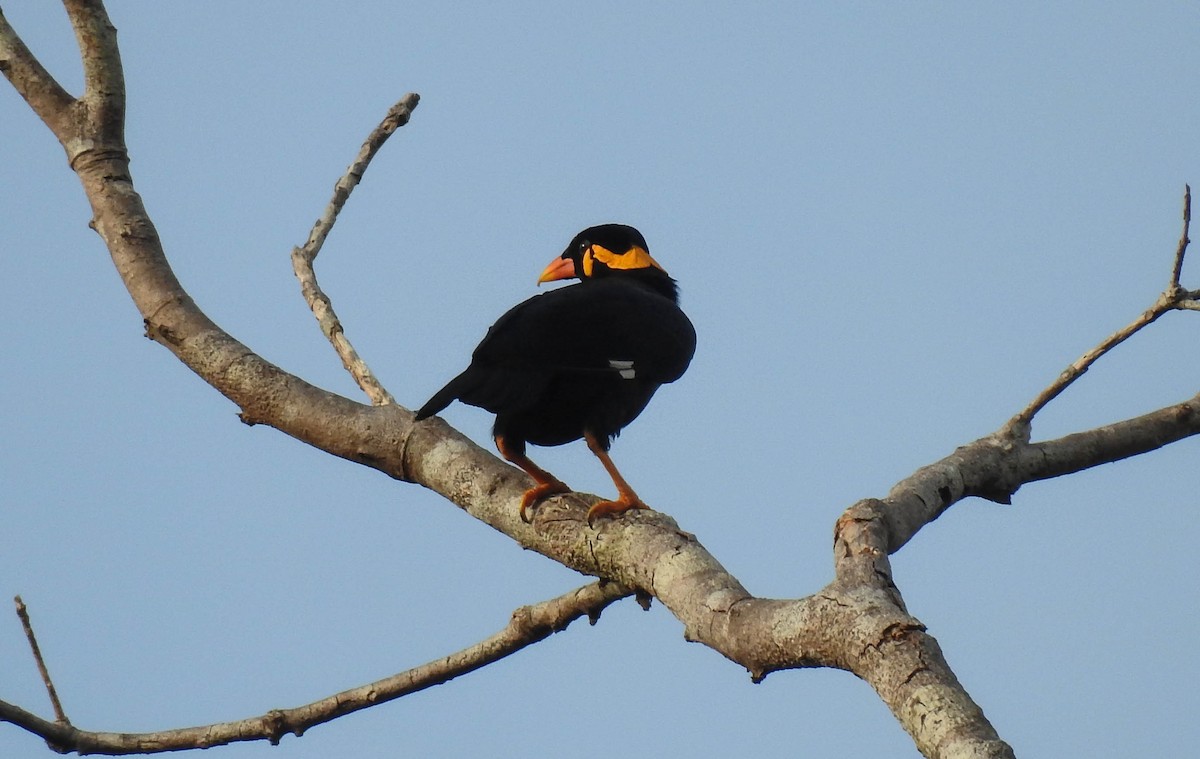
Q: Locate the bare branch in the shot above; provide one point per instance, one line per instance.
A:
(22, 612)
(995, 467)
(857, 623)
(304, 256)
(331, 327)
(103, 101)
(1113, 442)
(32, 81)
(1190, 301)
(528, 625)
(1181, 249)
(1174, 297)
(397, 116)
(1019, 425)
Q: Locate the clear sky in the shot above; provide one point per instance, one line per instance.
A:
(892, 224)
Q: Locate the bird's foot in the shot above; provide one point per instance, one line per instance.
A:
(538, 492)
(609, 508)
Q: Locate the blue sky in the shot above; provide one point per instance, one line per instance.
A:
(892, 224)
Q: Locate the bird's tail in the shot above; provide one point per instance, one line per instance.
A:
(442, 398)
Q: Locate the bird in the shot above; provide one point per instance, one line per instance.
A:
(580, 361)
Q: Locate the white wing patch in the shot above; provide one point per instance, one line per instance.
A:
(624, 368)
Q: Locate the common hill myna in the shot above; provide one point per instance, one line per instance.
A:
(581, 361)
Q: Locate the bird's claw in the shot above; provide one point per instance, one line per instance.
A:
(609, 508)
(537, 493)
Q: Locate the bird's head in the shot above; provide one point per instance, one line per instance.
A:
(601, 251)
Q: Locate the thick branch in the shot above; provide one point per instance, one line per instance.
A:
(103, 76)
(857, 623)
(995, 467)
(32, 81)
(1113, 442)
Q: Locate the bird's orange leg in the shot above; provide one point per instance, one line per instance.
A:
(547, 484)
(626, 498)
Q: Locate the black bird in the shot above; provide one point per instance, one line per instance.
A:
(581, 361)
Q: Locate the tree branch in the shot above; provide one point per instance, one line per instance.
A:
(1173, 297)
(528, 625)
(857, 623)
(23, 613)
(304, 256)
(31, 80)
(104, 78)
(1181, 249)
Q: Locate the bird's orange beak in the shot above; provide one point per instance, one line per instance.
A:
(559, 268)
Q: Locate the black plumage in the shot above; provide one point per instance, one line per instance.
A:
(581, 361)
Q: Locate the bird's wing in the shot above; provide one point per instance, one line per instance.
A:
(605, 326)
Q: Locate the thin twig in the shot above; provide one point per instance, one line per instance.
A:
(397, 116)
(304, 256)
(901, 662)
(1174, 297)
(331, 327)
(528, 625)
(1177, 272)
(1019, 424)
(60, 716)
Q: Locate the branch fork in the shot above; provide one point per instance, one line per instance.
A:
(858, 622)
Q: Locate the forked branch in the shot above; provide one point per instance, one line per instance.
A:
(528, 625)
(857, 623)
(1174, 297)
(304, 256)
